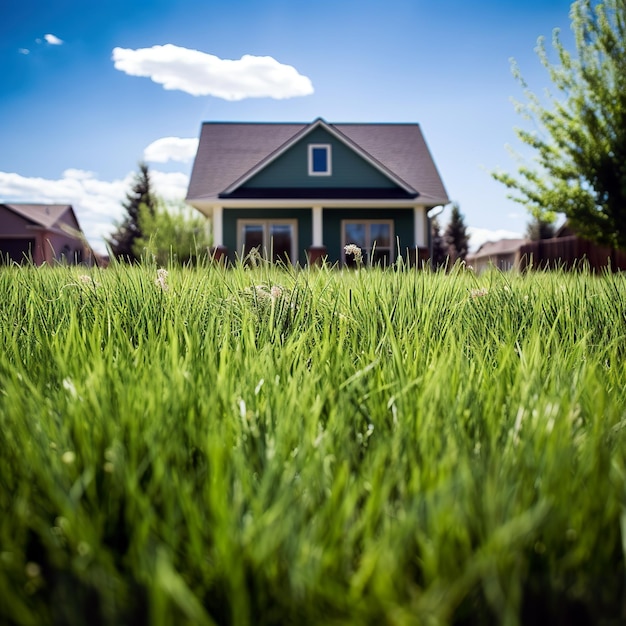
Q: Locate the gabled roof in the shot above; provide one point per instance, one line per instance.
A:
(45, 215)
(502, 246)
(230, 153)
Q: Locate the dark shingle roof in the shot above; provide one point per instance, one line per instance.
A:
(228, 151)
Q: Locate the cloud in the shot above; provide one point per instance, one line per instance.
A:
(97, 203)
(23, 50)
(201, 74)
(53, 40)
(478, 236)
(171, 149)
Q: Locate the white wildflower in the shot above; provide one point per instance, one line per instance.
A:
(69, 386)
(353, 250)
(161, 279)
(479, 293)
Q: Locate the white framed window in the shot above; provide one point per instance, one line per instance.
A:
(374, 237)
(274, 239)
(320, 159)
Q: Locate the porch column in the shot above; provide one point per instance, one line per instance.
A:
(317, 251)
(219, 251)
(419, 227)
(218, 226)
(420, 236)
(317, 227)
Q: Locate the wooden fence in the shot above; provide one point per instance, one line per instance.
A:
(569, 253)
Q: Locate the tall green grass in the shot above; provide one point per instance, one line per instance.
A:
(267, 446)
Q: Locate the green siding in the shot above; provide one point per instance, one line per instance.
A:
(303, 216)
(290, 170)
(402, 226)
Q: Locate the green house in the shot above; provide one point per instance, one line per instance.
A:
(301, 192)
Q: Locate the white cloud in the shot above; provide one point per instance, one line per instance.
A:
(53, 40)
(478, 236)
(171, 149)
(97, 203)
(23, 50)
(202, 74)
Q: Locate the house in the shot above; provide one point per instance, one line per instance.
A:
(41, 233)
(302, 191)
(503, 254)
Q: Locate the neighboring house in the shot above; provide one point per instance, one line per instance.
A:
(41, 233)
(502, 254)
(304, 191)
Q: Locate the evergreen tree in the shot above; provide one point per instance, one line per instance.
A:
(581, 147)
(123, 241)
(539, 228)
(455, 236)
(439, 250)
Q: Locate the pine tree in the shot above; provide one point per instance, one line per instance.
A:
(439, 249)
(123, 241)
(455, 236)
(580, 146)
(539, 228)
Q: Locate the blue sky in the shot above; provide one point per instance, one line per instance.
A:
(90, 89)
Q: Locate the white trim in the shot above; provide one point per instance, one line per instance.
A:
(205, 205)
(318, 226)
(419, 227)
(301, 134)
(217, 224)
(329, 160)
(266, 223)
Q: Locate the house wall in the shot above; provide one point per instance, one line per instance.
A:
(13, 225)
(290, 170)
(402, 220)
(59, 247)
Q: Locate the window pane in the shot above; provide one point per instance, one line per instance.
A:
(252, 237)
(320, 159)
(355, 233)
(381, 234)
(281, 237)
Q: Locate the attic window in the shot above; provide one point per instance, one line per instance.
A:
(319, 159)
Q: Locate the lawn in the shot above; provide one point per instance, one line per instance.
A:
(273, 446)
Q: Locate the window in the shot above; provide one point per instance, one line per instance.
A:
(374, 237)
(319, 159)
(273, 239)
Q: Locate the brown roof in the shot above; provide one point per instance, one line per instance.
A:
(229, 151)
(502, 246)
(46, 215)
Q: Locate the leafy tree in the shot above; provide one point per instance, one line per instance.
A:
(539, 228)
(140, 198)
(580, 160)
(171, 233)
(439, 249)
(455, 236)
